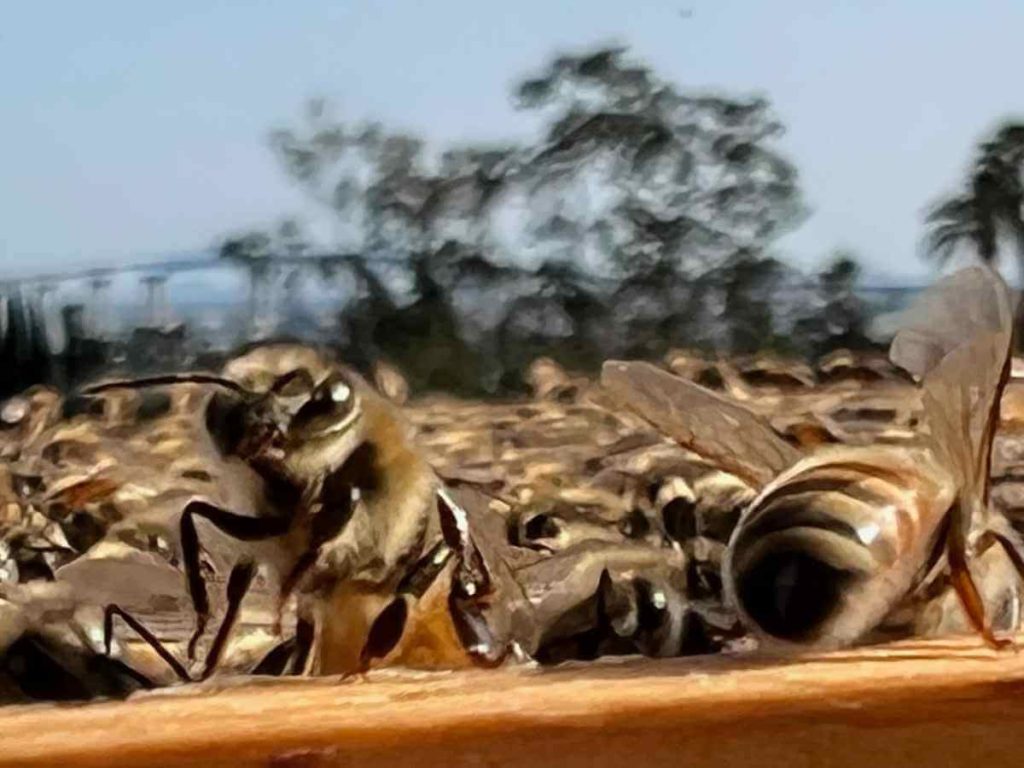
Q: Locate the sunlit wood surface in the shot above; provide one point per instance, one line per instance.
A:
(948, 702)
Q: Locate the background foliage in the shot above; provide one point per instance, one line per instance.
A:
(641, 218)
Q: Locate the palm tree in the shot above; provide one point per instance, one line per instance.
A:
(989, 211)
(989, 208)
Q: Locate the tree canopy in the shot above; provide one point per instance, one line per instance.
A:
(640, 216)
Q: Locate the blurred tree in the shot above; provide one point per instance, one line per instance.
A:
(634, 191)
(749, 288)
(389, 200)
(837, 316)
(990, 208)
(291, 239)
(990, 205)
(426, 336)
(253, 252)
(384, 192)
(657, 307)
(642, 172)
(24, 355)
(563, 315)
(371, 301)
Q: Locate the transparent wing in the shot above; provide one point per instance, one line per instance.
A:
(956, 339)
(717, 428)
(487, 605)
(953, 313)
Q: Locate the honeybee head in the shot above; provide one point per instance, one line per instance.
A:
(327, 427)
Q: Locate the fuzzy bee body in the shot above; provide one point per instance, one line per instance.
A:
(357, 573)
(837, 541)
(288, 473)
(830, 546)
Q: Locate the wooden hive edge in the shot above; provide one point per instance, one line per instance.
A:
(949, 702)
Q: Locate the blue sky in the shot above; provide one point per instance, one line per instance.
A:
(136, 129)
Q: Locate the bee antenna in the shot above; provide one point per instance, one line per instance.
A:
(166, 380)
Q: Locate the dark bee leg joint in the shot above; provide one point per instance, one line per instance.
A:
(289, 657)
(140, 629)
(238, 585)
(1004, 534)
(385, 632)
(240, 527)
(1007, 537)
(967, 590)
(290, 582)
(194, 578)
(304, 636)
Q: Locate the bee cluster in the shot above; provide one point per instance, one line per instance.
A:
(284, 516)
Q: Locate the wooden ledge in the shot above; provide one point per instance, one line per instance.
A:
(941, 702)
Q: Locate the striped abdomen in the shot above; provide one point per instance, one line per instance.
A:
(829, 547)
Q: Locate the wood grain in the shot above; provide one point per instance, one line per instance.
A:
(943, 702)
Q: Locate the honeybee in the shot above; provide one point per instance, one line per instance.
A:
(56, 645)
(836, 540)
(46, 655)
(24, 417)
(334, 503)
(588, 596)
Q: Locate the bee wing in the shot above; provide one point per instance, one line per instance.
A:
(956, 340)
(487, 605)
(719, 429)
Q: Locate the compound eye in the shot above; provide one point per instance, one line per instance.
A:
(332, 402)
(340, 392)
(14, 411)
(336, 393)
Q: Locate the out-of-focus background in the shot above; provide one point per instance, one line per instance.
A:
(458, 188)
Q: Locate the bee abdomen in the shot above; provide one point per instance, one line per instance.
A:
(821, 534)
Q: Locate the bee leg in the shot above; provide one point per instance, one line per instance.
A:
(151, 640)
(304, 634)
(238, 585)
(289, 656)
(144, 682)
(323, 527)
(966, 589)
(238, 526)
(303, 564)
(385, 632)
(1004, 534)
(1000, 530)
(277, 659)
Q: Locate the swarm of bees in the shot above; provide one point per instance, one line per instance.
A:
(286, 517)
